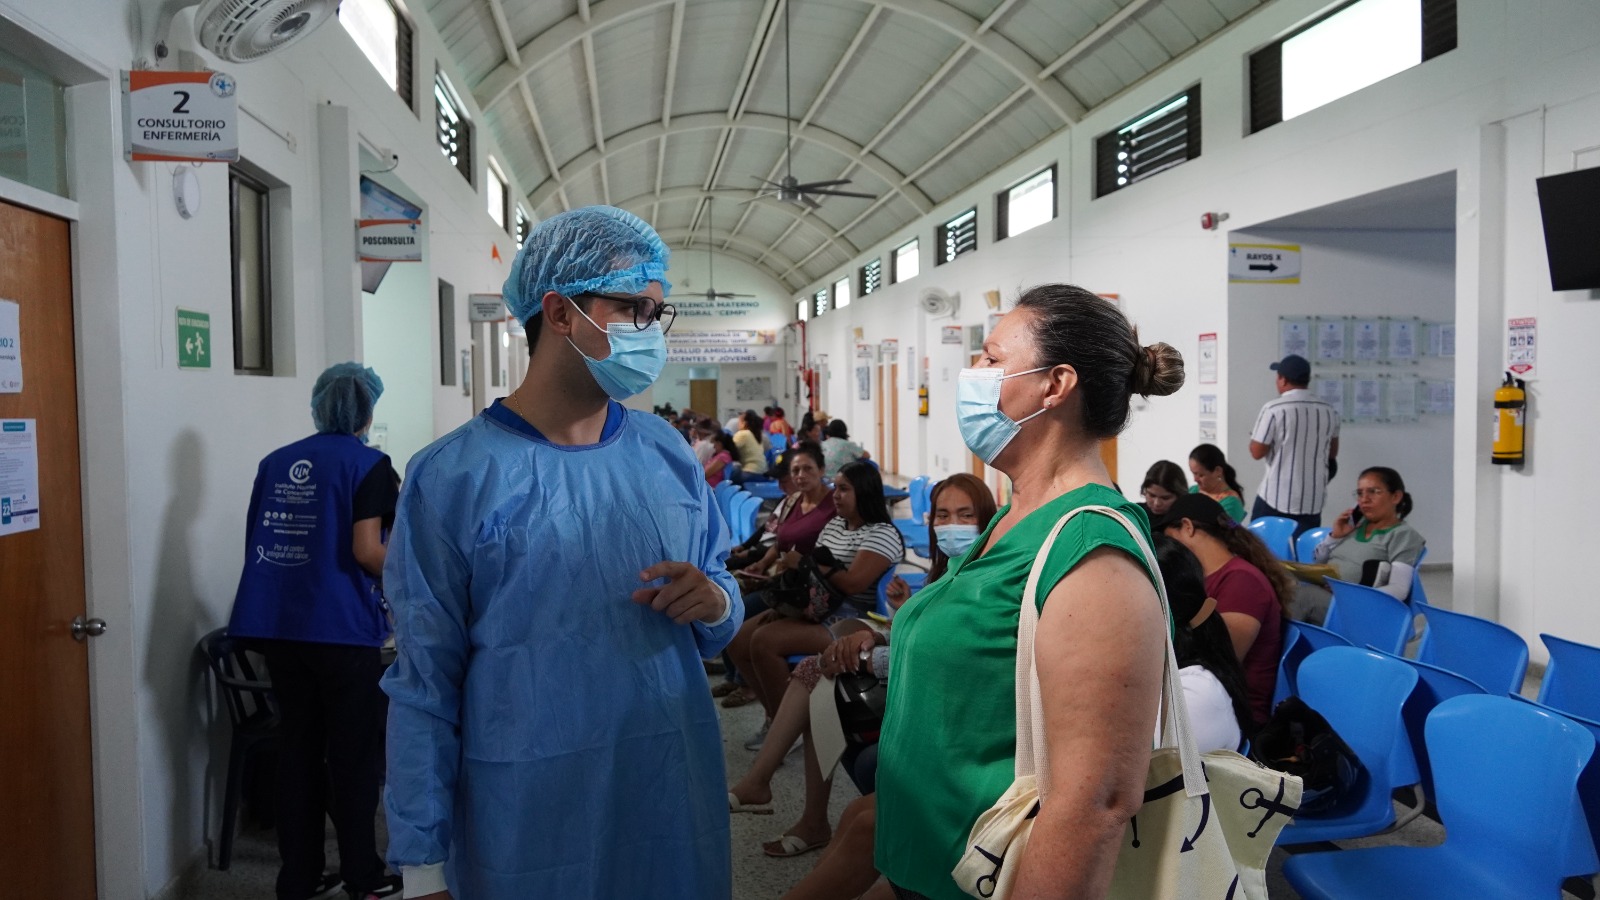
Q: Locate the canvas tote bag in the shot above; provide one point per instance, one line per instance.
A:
(1208, 822)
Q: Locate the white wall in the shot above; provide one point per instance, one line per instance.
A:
(169, 455)
(1351, 273)
(1516, 101)
(396, 341)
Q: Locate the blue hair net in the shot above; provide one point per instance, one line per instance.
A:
(592, 250)
(343, 398)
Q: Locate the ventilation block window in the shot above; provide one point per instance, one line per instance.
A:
(1027, 204)
(906, 262)
(1356, 45)
(385, 38)
(1162, 137)
(871, 276)
(452, 128)
(819, 302)
(958, 236)
(250, 226)
(522, 227)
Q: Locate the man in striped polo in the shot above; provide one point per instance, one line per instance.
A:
(1298, 436)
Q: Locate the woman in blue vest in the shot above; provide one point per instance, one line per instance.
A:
(309, 602)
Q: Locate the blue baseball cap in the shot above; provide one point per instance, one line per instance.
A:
(1294, 369)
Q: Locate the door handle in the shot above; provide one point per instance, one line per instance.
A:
(83, 628)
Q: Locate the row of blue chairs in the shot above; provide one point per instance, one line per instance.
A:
(914, 530)
(1507, 777)
(740, 509)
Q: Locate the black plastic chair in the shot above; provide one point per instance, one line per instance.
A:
(246, 690)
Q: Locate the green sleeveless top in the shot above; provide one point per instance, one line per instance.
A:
(949, 733)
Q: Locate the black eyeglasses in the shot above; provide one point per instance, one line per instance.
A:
(645, 311)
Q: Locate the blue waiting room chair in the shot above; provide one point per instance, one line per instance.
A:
(1305, 546)
(1277, 533)
(1589, 781)
(1507, 774)
(1361, 694)
(1365, 615)
(1434, 686)
(1572, 678)
(1487, 652)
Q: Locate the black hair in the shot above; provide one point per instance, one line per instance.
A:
(1073, 327)
(806, 448)
(752, 421)
(1243, 543)
(982, 502)
(837, 429)
(1210, 457)
(725, 441)
(1391, 480)
(1168, 476)
(868, 485)
(1207, 644)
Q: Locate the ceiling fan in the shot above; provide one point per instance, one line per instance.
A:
(711, 294)
(791, 189)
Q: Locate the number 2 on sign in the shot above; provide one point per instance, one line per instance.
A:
(183, 105)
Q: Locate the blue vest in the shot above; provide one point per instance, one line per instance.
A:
(301, 581)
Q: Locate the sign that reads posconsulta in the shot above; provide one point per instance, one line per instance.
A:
(180, 116)
(389, 240)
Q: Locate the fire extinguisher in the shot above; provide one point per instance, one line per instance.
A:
(922, 400)
(1510, 408)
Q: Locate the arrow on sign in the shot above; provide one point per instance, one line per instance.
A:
(1269, 267)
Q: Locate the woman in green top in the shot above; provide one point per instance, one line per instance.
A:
(1214, 477)
(1064, 363)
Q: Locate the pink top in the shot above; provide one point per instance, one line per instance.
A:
(722, 470)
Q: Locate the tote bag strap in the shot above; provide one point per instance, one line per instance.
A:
(1032, 756)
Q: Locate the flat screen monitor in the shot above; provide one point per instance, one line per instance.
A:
(378, 202)
(1570, 206)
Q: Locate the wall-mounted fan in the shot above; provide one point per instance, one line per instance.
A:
(240, 31)
(790, 189)
(936, 302)
(711, 294)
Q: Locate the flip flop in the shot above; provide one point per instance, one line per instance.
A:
(735, 805)
(791, 845)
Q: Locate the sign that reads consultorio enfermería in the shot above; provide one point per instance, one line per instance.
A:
(180, 116)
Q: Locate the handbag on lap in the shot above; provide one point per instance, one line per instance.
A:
(1208, 821)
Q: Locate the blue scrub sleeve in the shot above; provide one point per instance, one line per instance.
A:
(426, 577)
(713, 560)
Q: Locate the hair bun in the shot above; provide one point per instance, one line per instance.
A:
(1158, 371)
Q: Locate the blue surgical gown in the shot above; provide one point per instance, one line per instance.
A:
(549, 737)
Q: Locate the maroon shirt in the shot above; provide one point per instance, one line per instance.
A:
(1241, 588)
(800, 532)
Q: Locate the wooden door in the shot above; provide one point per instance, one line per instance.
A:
(892, 464)
(703, 396)
(47, 831)
(1108, 455)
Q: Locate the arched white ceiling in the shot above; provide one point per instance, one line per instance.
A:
(661, 105)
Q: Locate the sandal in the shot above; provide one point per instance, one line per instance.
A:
(736, 699)
(735, 805)
(791, 845)
(724, 689)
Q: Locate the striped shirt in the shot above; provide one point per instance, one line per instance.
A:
(1297, 429)
(844, 544)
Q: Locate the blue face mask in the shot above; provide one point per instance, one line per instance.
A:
(635, 361)
(983, 426)
(955, 540)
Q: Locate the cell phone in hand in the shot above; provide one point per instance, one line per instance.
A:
(1355, 515)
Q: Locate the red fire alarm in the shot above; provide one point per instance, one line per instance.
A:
(1209, 221)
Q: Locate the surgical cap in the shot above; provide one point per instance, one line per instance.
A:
(592, 250)
(343, 398)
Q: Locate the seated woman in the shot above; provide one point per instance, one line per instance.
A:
(1213, 684)
(1164, 483)
(837, 448)
(756, 546)
(1252, 589)
(962, 507)
(1215, 478)
(861, 545)
(796, 533)
(751, 442)
(723, 454)
(1372, 543)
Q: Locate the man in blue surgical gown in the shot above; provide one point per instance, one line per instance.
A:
(556, 573)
